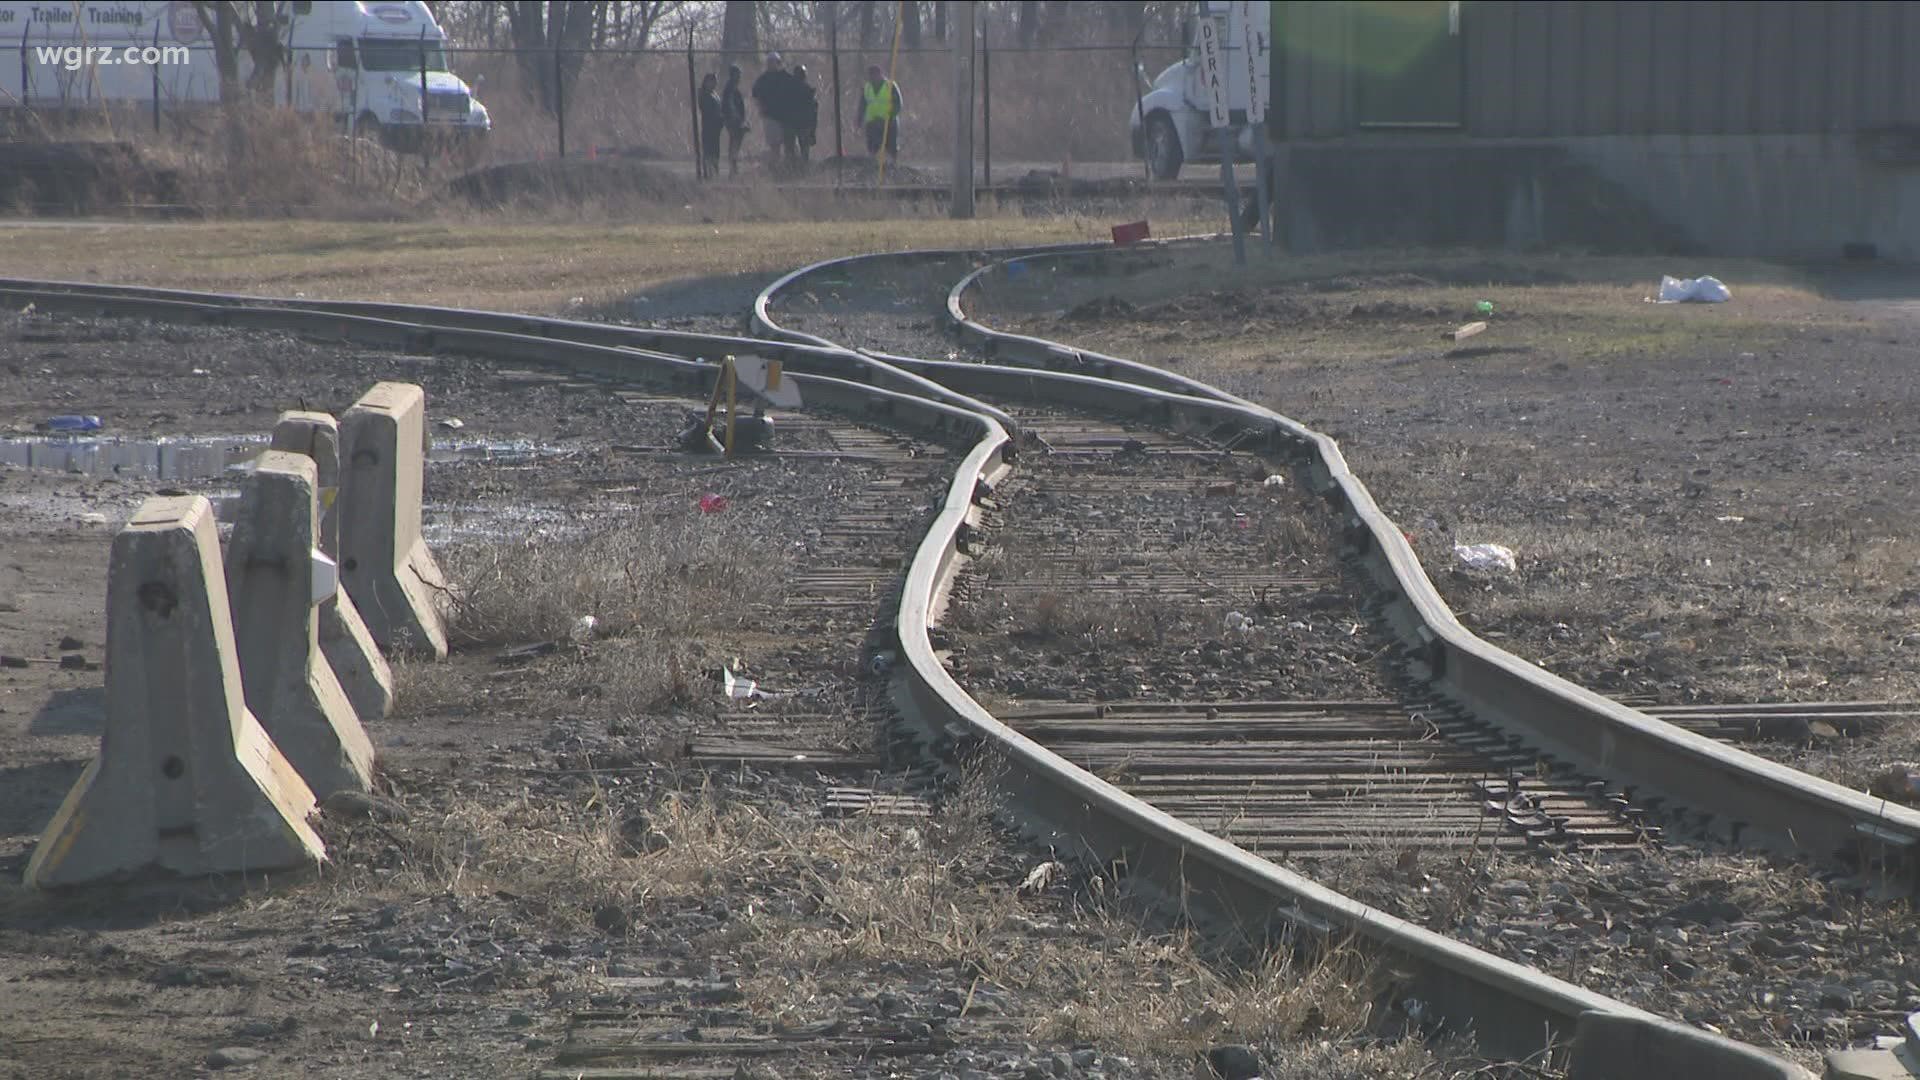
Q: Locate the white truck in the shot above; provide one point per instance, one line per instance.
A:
(1172, 124)
(379, 68)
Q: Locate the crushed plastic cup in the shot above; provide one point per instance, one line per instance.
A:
(1485, 557)
(1484, 307)
(711, 503)
(1700, 290)
(74, 423)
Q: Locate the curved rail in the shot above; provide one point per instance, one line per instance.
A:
(1704, 784)
(1511, 1007)
(1507, 1005)
(423, 328)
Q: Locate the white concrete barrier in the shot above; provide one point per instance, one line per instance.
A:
(384, 561)
(186, 778)
(344, 638)
(289, 685)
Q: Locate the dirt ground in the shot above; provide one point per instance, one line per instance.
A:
(543, 263)
(547, 844)
(1707, 502)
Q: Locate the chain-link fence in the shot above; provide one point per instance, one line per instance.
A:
(1033, 105)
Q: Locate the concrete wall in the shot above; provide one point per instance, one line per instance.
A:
(1773, 195)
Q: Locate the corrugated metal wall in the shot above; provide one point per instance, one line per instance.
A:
(1313, 54)
(1635, 67)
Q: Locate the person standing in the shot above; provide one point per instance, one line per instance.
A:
(772, 94)
(881, 114)
(733, 117)
(711, 121)
(806, 112)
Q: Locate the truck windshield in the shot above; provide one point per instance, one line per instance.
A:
(399, 54)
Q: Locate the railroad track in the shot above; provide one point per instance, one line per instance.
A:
(1197, 783)
(1508, 1005)
(1699, 785)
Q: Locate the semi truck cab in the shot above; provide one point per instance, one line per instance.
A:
(386, 74)
(1170, 125)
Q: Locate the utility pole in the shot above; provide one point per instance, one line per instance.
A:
(963, 46)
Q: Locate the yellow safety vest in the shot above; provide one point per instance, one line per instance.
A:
(879, 100)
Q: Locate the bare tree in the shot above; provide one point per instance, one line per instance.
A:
(1028, 20)
(634, 22)
(550, 42)
(1127, 16)
(236, 27)
(740, 31)
(910, 24)
(940, 19)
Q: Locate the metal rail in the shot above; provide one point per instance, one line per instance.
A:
(1700, 784)
(1510, 1008)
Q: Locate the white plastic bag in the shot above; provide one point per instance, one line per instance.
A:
(1700, 290)
(1485, 557)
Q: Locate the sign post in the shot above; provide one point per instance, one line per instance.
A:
(1213, 73)
(1256, 47)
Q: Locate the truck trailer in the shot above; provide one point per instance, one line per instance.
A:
(377, 68)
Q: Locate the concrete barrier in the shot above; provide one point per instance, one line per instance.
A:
(289, 685)
(186, 779)
(384, 561)
(344, 638)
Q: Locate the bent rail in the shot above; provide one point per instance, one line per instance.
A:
(424, 328)
(1508, 1006)
(1734, 796)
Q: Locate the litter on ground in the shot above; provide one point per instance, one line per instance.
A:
(1485, 557)
(1700, 290)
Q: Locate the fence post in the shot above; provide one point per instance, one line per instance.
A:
(986, 108)
(560, 99)
(1139, 104)
(962, 204)
(155, 68)
(426, 160)
(833, 46)
(693, 101)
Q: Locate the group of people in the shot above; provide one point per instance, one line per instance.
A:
(789, 114)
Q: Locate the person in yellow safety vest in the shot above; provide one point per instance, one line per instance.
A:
(881, 117)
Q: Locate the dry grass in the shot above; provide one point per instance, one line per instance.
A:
(639, 574)
(664, 593)
(1282, 315)
(1704, 499)
(491, 262)
(815, 902)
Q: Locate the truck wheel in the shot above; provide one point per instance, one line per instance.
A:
(1164, 156)
(368, 127)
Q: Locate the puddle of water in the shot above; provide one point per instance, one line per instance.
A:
(213, 457)
(159, 459)
(206, 457)
(449, 522)
(501, 451)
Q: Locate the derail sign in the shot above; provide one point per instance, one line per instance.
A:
(1213, 70)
